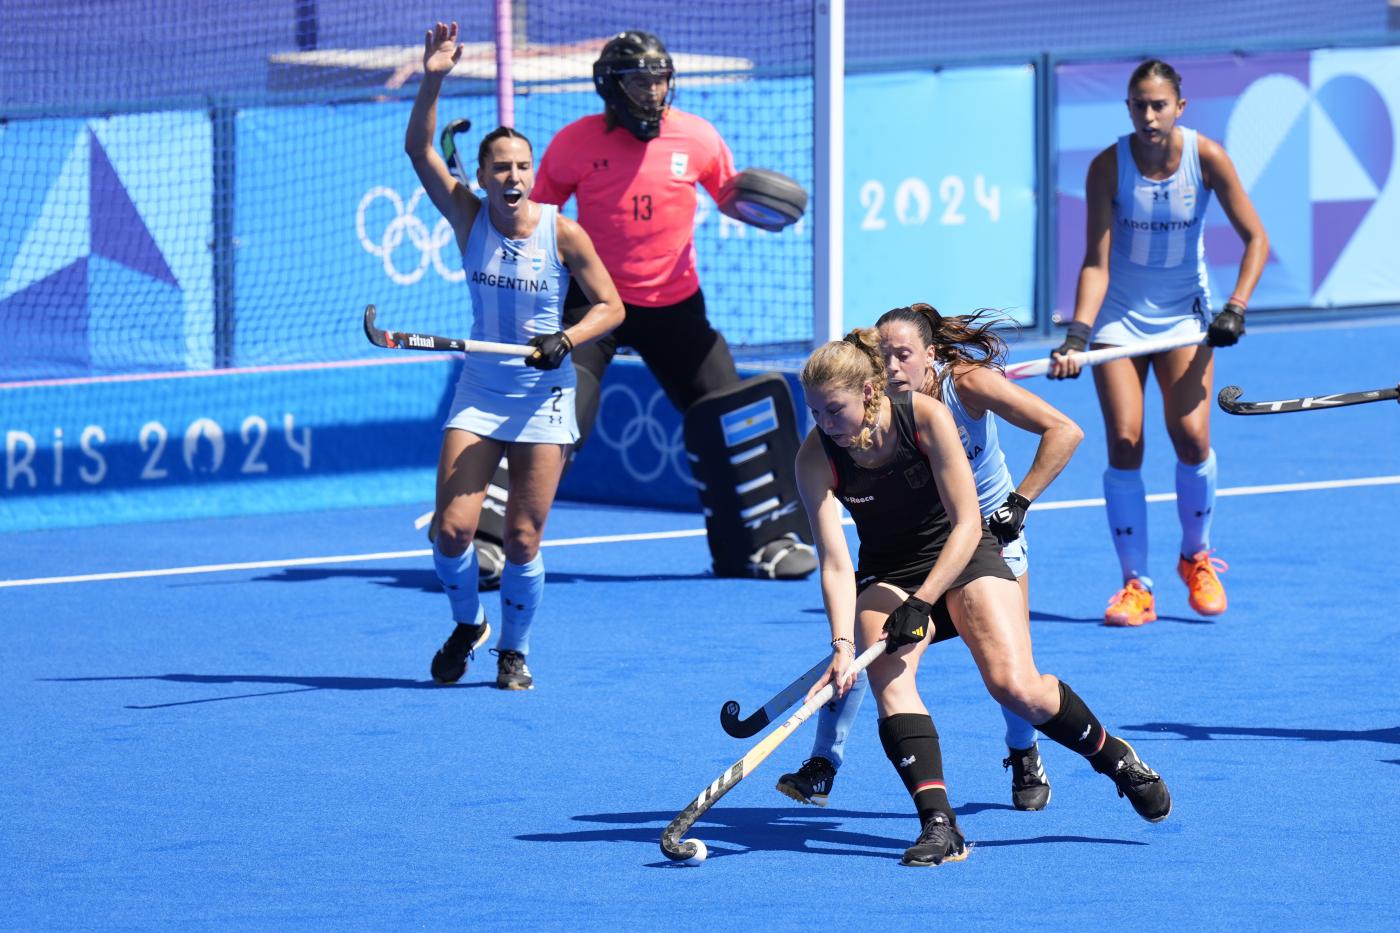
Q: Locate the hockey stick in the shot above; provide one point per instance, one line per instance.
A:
(400, 341)
(1041, 366)
(754, 724)
(693, 850)
(450, 154)
(1229, 399)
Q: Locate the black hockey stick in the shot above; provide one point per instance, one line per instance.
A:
(395, 340)
(693, 850)
(450, 153)
(754, 724)
(1229, 400)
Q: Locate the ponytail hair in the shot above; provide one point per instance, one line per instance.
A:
(969, 339)
(849, 364)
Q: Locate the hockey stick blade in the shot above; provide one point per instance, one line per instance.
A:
(450, 153)
(1229, 401)
(397, 340)
(755, 723)
(677, 849)
(1032, 368)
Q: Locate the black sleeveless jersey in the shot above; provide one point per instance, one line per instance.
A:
(898, 514)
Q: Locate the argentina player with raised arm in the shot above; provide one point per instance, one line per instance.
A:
(1143, 278)
(517, 256)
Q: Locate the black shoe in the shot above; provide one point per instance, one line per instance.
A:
(811, 783)
(941, 841)
(784, 558)
(511, 672)
(450, 663)
(1030, 789)
(1143, 787)
(490, 561)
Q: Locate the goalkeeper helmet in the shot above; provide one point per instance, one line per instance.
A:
(631, 53)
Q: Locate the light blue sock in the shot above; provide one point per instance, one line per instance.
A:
(1195, 504)
(458, 576)
(1126, 505)
(834, 722)
(522, 585)
(1019, 733)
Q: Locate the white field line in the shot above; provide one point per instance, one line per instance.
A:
(640, 536)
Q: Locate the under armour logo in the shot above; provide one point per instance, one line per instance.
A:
(1118, 532)
(1087, 729)
(599, 164)
(906, 762)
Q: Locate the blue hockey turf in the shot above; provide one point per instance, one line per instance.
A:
(261, 747)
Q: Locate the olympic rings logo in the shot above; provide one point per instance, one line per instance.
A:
(405, 222)
(641, 431)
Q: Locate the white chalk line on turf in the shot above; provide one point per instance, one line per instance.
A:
(1235, 491)
(641, 536)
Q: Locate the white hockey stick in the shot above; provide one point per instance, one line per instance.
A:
(1040, 367)
(693, 850)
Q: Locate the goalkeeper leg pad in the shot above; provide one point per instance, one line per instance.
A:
(741, 442)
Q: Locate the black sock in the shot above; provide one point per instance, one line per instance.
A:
(1077, 728)
(911, 744)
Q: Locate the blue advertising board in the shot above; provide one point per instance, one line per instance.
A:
(940, 192)
(223, 442)
(293, 438)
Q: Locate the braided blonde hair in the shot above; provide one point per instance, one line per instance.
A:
(849, 364)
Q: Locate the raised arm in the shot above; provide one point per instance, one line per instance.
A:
(453, 199)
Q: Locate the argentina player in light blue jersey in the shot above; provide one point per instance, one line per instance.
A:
(518, 257)
(955, 360)
(1144, 278)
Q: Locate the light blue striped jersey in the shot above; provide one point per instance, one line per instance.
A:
(517, 292)
(979, 440)
(1157, 259)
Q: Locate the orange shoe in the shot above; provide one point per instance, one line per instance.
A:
(1132, 605)
(1207, 595)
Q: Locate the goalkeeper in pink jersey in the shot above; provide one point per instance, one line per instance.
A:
(633, 170)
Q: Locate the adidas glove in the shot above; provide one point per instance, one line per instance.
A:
(1006, 522)
(550, 350)
(1227, 327)
(907, 625)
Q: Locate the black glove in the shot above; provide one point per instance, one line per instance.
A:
(1006, 522)
(1076, 339)
(1228, 326)
(907, 625)
(550, 350)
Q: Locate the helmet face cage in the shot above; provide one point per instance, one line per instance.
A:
(632, 53)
